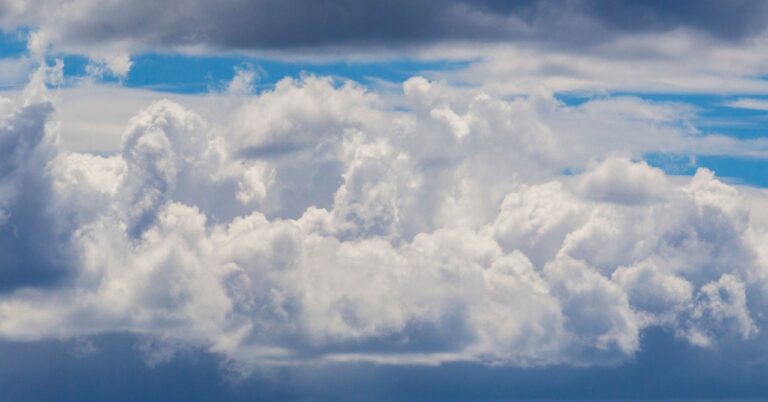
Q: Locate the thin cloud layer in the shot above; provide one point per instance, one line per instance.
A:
(319, 222)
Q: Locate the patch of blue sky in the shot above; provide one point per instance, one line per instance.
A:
(74, 66)
(190, 74)
(574, 99)
(187, 74)
(735, 170)
(13, 44)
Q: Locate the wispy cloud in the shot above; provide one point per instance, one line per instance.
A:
(749, 103)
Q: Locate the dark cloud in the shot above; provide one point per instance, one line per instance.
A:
(273, 24)
(33, 248)
(270, 24)
(731, 20)
(109, 367)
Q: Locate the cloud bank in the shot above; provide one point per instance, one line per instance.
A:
(267, 24)
(319, 222)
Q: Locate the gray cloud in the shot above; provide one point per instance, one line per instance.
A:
(731, 20)
(27, 216)
(272, 24)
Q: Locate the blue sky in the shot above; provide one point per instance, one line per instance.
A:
(201, 74)
(423, 200)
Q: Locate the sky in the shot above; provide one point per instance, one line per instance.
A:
(407, 200)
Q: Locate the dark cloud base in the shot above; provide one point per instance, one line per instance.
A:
(284, 25)
(666, 369)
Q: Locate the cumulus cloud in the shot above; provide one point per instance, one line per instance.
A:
(621, 181)
(318, 222)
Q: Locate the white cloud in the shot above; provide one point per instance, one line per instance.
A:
(749, 103)
(117, 64)
(679, 61)
(619, 180)
(317, 222)
(243, 82)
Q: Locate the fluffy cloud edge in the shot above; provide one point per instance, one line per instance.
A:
(317, 223)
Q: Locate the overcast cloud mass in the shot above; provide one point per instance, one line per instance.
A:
(510, 213)
(268, 24)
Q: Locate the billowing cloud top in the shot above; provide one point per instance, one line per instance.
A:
(317, 223)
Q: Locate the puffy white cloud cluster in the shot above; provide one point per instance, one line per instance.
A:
(322, 223)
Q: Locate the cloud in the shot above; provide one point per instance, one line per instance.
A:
(749, 103)
(27, 213)
(648, 62)
(740, 19)
(316, 222)
(510, 49)
(91, 121)
(267, 24)
(621, 181)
